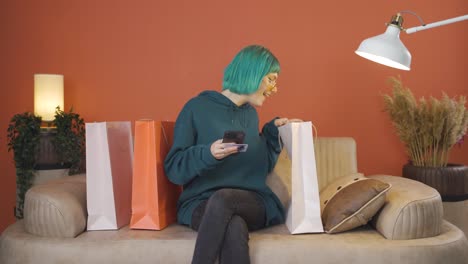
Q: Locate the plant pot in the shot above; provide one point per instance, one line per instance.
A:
(451, 181)
(46, 157)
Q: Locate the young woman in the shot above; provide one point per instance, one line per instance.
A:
(225, 195)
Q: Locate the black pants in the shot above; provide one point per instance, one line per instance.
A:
(223, 224)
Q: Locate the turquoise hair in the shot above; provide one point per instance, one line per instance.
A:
(245, 72)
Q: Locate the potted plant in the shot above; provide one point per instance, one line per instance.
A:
(69, 143)
(429, 129)
(23, 138)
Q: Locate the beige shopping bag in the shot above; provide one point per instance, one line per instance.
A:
(109, 156)
(303, 211)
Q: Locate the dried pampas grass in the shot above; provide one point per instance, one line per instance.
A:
(428, 128)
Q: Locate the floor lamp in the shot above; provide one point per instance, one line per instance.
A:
(387, 48)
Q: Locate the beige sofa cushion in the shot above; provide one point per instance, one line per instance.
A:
(274, 245)
(413, 210)
(57, 209)
(351, 201)
(279, 179)
(335, 157)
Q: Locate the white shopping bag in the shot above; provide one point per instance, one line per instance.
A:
(109, 157)
(304, 209)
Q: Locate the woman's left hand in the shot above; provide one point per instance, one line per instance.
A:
(283, 121)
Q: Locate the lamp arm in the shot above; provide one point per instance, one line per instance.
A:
(436, 24)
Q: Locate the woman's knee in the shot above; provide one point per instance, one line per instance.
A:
(238, 228)
(221, 200)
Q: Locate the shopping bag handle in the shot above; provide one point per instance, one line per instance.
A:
(316, 132)
(164, 135)
(315, 138)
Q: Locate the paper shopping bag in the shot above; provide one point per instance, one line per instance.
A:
(109, 155)
(154, 197)
(303, 212)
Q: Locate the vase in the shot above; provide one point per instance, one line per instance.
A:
(451, 181)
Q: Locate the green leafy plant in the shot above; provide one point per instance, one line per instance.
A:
(428, 128)
(23, 138)
(69, 142)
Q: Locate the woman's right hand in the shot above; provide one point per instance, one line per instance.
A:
(283, 121)
(220, 150)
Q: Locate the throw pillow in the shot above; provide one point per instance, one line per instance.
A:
(279, 180)
(351, 201)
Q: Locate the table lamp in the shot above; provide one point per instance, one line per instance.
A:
(48, 94)
(387, 48)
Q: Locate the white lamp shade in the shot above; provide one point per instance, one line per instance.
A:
(386, 49)
(48, 94)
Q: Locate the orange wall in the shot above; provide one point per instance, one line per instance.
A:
(125, 60)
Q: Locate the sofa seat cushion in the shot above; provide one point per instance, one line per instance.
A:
(273, 245)
(412, 210)
(57, 209)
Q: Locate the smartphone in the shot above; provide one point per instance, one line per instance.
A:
(234, 136)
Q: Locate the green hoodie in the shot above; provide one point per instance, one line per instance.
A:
(190, 163)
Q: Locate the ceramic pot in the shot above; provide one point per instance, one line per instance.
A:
(451, 181)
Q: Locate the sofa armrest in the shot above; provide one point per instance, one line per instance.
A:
(57, 208)
(412, 210)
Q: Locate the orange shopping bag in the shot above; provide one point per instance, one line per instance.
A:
(154, 197)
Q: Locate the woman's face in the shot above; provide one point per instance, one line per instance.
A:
(266, 89)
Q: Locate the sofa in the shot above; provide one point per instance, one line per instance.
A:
(409, 227)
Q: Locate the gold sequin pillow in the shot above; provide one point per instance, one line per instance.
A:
(351, 201)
